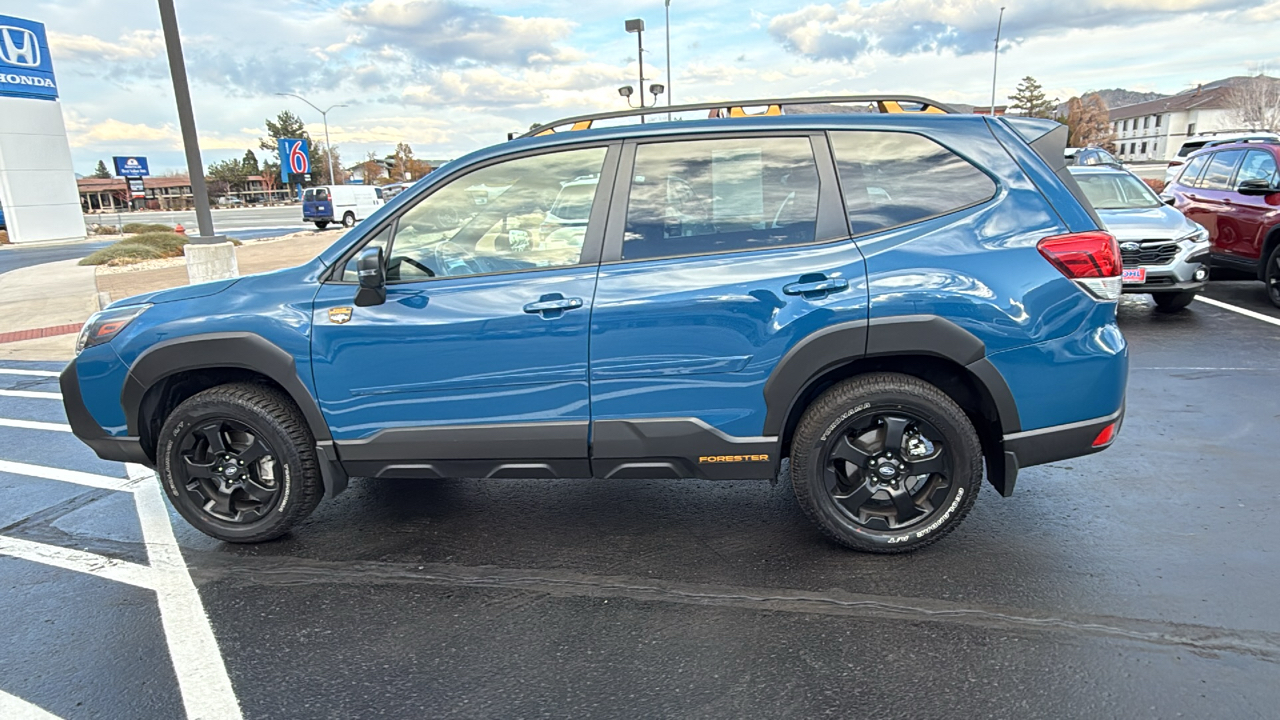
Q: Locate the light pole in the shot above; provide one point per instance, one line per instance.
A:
(187, 120)
(668, 29)
(995, 62)
(636, 26)
(324, 115)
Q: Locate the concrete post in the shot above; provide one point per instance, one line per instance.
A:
(210, 261)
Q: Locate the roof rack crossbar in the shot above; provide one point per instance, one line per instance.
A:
(737, 108)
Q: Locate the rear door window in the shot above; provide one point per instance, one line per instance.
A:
(309, 196)
(1217, 176)
(706, 196)
(891, 179)
(1257, 165)
(322, 194)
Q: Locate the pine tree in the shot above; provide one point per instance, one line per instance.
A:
(250, 163)
(102, 171)
(1029, 99)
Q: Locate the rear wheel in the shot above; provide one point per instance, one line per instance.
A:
(322, 224)
(1272, 277)
(885, 463)
(238, 462)
(348, 220)
(1173, 302)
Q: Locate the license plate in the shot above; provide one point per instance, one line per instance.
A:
(1134, 276)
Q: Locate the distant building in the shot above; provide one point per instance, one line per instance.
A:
(986, 109)
(1153, 131)
(163, 193)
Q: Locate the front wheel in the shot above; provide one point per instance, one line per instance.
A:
(1173, 302)
(239, 463)
(885, 463)
(1272, 277)
(322, 224)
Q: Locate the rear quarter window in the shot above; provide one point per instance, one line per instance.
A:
(1191, 172)
(1218, 175)
(891, 179)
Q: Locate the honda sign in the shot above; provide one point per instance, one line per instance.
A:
(25, 68)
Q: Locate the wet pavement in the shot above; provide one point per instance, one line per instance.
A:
(1140, 582)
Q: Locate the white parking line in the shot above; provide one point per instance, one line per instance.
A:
(31, 394)
(15, 708)
(1234, 309)
(34, 425)
(19, 371)
(197, 662)
(79, 561)
(101, 482)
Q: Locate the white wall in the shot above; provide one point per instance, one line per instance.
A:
(37, 182)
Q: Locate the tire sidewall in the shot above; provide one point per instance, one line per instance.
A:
(348, 220)
(197, 412)
(964, 481)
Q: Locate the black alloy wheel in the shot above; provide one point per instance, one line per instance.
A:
(1272, 277)
(229, 471)
(887, 470)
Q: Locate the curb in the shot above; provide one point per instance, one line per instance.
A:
(37, 333)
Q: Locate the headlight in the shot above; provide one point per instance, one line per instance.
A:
(1195, 237)
(103, 326)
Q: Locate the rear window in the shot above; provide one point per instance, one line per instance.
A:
(321, 195)
(1190, 147)
(891, 179)
(1218, 175)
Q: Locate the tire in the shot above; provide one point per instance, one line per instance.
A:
(852, 501)
(348, 220)
(322, 224)
(270, 494)
(1271, 276)
(1172, 302)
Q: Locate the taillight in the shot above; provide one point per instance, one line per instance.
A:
(1091, 259)
(1175, 163)
(1105, 437)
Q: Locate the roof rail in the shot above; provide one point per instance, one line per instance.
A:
(737, 108)
(1265, 139)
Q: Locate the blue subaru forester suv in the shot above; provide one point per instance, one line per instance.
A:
(891, 300)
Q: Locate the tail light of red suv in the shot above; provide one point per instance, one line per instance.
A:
(1091, 259)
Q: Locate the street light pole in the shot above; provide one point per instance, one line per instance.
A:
(668, 29)
(995, 62)
(637, 26)
(324, 115)
(187, 121)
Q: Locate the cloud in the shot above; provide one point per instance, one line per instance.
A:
(115, 134)
(443, 32)
(591, 84)
(899, 27)
(136, 45)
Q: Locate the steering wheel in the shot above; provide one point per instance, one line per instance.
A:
(453, 259)
(446, 216)
(791, 196)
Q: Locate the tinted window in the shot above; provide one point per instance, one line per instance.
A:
(1190, 147)
(892, 179)
(1217, 176)
(1257, 165)
(705, 196)
(308, 195)
(496, 219)
(1191, 171)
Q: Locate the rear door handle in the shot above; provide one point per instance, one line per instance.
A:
(553, 305)
(820, 288)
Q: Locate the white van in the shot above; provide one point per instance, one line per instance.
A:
(347, 204)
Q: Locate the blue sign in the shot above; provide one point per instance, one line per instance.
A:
(25, 67)
(293, 157)
(131, 167)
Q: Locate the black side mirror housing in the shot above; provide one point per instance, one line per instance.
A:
(373, 277)
(1168, 199)
(1257, 187)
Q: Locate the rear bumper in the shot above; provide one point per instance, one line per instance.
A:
(83, 426)
(1059, 442)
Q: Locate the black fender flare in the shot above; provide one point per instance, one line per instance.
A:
(846, 342)
(242, 350)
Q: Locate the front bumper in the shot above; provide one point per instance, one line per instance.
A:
(1177, 275)
(83, 426)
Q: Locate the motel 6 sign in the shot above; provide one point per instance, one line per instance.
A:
(293, 157)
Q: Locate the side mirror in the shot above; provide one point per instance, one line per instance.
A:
(1168, 199)
(1257, 187)
(373, 277)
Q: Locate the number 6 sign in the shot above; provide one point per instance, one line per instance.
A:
(293, 157)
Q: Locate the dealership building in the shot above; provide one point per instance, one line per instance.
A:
(38, 193)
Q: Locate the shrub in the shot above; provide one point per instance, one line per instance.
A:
(123, 253)
(168, 242)
(137, 227)
(1155, 184)
(106, 230)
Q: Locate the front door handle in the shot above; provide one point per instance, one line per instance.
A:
(818, 287)
(553, 305)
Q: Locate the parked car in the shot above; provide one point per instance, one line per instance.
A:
(1198, 142)
(1233, 190)
(891, 301)
(1090, 156)
(1165, 255)
(347, 204)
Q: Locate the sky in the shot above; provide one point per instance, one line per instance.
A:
(451, 76)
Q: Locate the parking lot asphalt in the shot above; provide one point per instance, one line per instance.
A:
(1139, 582)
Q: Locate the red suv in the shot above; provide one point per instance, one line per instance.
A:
(1233, 189)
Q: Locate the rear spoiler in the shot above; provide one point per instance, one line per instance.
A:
(1049, 140)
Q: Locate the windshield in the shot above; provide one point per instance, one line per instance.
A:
(1117, 191)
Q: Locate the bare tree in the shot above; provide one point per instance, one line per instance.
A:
(1255, 102)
